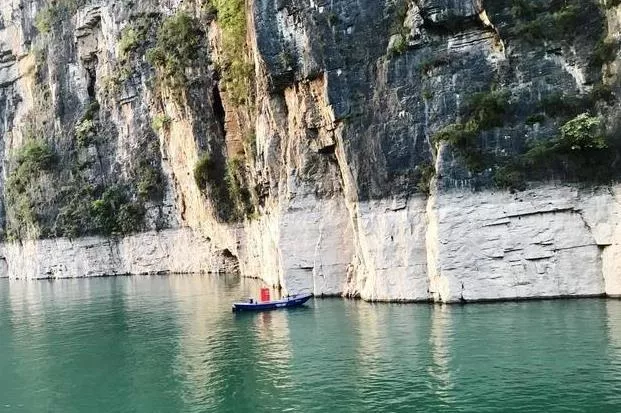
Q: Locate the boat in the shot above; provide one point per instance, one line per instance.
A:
(291, 301)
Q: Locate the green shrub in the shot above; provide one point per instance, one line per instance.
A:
(533, 31)
(74, 217)
(238, 188)
(250, 144)
(566, 19)
(536, 118)
(536, 24)
(464, 138)
(86, 128)
(233, 169)
(399, 46)
(84, 132)
(227, 189)
(161, 123)
(114, 212)
(129, 41)
(605, 51)
(178, 46)
(214, 181)
(111, 85)
(583, 132)
(425, 173)
(150, 180)
(558, 104)
(483, 111)
(82, 213)
(22, 219)
(400, 14)
(458, 134)
(580, 152)
(204, 171)
(439, 60)
(180, 41)
(539, 151)
(54, 12)
(523, 9)
(43, 199)
(612, 3)
(40, 55)
(113, 82)
(237, 71)
(487, 108)
(209, 10)
(509, 177)
(130, 218)
(24, 194)
(602, 92)
(31, 159)
(47, 18)
(91, 110)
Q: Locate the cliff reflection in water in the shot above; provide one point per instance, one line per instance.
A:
(171, 344)
(439, 368)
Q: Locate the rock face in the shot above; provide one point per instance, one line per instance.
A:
(541, 243)
(391, 150)
(163, 252)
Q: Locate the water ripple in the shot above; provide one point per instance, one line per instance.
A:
(171, 344)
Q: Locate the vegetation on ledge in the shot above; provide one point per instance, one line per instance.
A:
(581, 151)
(236, 68)
(49, 195)
(484, 111)
(225, 185)
(34, 160)
(555, 20)
(51, 15)
(178, 47)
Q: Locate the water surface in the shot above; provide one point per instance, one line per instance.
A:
(171, 344)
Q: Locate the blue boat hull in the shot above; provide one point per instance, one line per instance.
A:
(290, 302)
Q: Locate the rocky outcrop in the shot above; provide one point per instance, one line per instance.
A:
(391, 259)
(165, 252)
(392, 150)
(307, 245)
(538, 243)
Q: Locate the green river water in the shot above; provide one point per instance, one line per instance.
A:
(171, 344)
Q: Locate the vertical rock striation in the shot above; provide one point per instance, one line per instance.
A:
(402, 150)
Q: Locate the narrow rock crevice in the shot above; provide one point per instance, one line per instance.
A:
(218, 109)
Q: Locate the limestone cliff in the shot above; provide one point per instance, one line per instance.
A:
(446, 150)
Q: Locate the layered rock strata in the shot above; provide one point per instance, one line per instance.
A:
(377, 149)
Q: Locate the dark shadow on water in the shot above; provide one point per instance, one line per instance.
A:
(301, 309)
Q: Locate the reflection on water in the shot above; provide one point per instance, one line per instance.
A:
(439, 368)
(610, 380)
(171, 344)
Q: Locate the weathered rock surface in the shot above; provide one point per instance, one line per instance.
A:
(328, 175)
(536, 243)
(307, 246)
(169, 251)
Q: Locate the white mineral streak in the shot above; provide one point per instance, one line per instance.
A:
(304, 245)
(390, 250)
(504, 246)
(602, 214)
(169, 251)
